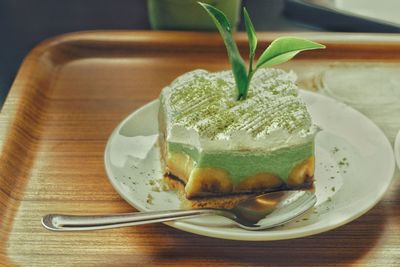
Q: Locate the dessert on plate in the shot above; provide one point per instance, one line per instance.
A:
(228, 135)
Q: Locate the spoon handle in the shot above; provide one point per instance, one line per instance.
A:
(61, 222)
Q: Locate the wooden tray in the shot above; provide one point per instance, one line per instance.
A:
(72, 91)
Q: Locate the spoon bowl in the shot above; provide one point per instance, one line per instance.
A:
(256, 213)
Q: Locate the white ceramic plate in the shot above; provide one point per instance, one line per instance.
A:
(397, 149)
(354, 167)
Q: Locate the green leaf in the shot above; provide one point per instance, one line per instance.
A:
(284, 49)
(252, 39)
(251, 34)
(236, 61)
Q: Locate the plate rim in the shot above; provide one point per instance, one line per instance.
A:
(251, 235)
(397, 149)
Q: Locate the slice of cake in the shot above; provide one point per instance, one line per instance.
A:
(228, 135)
(218, 150)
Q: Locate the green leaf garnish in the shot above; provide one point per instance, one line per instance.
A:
(252, 38)
(279, 51)
(237, 62)
(284, 49)
(251, 33)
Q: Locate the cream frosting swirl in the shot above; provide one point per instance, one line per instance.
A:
(201, 110)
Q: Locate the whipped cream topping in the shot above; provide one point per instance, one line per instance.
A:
(202, 110)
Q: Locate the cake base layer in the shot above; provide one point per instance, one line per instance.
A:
(224, 201)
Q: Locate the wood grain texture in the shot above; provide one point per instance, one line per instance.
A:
(72, 91)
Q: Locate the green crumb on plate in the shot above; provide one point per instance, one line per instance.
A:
(344, 162)
(149, 199)
(164, 187)
(156, 189)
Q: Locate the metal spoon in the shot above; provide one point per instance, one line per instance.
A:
(257, 213)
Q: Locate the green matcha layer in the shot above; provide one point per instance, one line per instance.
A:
(242, 164)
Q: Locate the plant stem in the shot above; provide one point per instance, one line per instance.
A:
(250, 73)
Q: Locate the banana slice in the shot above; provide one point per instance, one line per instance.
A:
(204, 181)
(258, 182)
(180, 165)
(301, 172)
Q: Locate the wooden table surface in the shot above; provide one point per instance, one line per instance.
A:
(73, 90)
